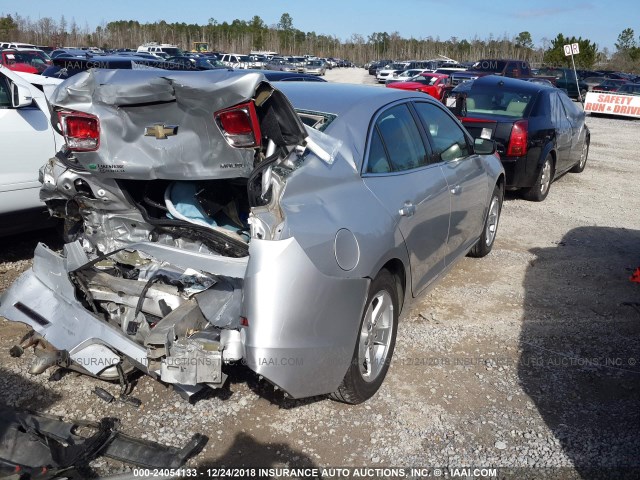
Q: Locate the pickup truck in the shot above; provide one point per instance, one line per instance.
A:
(505, 68)
(565, 79)
(27, 140)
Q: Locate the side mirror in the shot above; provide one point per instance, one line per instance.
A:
(20, 96)
(484, 146)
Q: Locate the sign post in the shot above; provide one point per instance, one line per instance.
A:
(571, 50)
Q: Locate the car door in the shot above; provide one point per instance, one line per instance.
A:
(465, 175)
(563, 130)
(413, 190)
(578, 134)
(27, 141)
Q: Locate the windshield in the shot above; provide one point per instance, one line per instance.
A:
(172, 52)
(213, 62)
(315, 63)
(425, 79)
(39, 60)
(502, 103)
(557, 73)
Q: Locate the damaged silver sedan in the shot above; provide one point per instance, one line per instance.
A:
(210, 223)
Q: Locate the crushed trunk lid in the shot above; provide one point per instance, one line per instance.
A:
(160, 125)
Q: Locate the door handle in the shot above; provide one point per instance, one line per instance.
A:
(456, 190)
(408, 210)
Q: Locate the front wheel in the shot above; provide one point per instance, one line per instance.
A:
(540, 189)
(488, 237)
(374, 344)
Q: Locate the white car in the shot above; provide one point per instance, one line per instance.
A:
(27, 141)
(235, 60)
(405, 76)
(389, 70)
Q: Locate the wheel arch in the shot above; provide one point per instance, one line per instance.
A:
(396, 267)
(549, 149)
(501, 182)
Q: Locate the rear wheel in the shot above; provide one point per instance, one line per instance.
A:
(579, 167)
(540, 190)
(374, 344)
(485, 242)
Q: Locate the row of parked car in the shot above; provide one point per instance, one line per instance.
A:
(540, 133)
(564, 78)
(32, 60)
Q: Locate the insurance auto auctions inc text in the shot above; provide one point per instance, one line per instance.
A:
(364, 472)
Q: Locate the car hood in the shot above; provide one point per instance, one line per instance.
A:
(131, 103)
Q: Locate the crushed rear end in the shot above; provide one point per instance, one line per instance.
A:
(170, 192)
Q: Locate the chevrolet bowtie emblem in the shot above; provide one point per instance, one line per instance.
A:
(161, 131)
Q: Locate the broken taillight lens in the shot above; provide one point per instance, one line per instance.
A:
(81, 130)
(518, 139)
(240, 125)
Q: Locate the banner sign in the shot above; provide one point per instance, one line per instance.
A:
(613, 104)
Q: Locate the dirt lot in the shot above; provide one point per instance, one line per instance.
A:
(526, 358)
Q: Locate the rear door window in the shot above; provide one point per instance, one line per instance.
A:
(396, 143)
(558, 114)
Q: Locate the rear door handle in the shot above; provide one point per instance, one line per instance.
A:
(408, 210)
(456, 190)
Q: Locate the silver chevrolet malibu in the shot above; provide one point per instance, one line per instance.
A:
(213, 219)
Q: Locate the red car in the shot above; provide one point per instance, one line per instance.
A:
(430, 83)
(27, 61)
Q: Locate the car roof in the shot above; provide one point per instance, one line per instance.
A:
(506, 82)
(353, 105)
(17, 50)
(434, 74)
(277, 75)
(341, 98)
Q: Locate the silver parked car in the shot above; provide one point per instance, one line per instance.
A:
(315, 67)
(280, 64)
(210, 223)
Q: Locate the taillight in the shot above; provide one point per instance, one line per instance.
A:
(518, 139)
(240, 125)
(81, 131)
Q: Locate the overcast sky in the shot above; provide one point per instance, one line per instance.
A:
(600, 21)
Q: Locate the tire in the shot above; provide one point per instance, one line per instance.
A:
(380, 318)
(490, 229)
(579, 167)
(539, 191)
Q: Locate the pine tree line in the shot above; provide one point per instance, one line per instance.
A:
(240, 36)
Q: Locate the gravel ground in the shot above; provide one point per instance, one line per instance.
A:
(526, 358)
